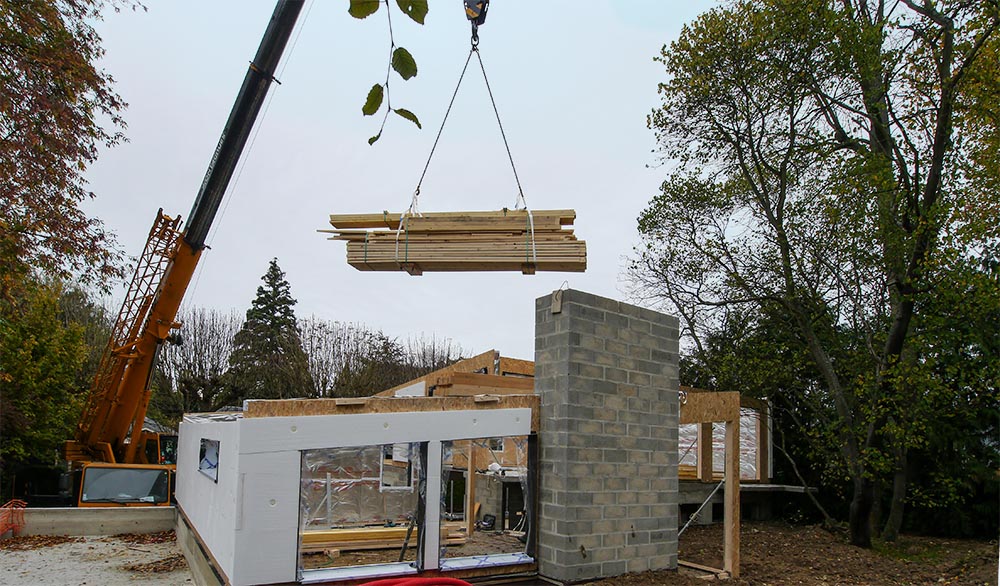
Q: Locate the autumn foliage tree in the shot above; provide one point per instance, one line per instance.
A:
(57, 108)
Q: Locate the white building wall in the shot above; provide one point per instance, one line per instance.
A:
(211, 507)
(267, 539)
(249, 520)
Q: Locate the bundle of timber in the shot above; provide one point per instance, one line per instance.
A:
(505, 240)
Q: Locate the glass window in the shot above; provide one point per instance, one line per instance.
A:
(208, 460)
(125, 485)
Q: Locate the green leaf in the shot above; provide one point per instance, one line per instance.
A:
(372, 140)
(403, 63)
(415, 9)
(408, 115)
(374, 101)
(363, 8)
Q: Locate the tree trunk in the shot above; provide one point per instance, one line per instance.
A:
(877, 508)
(861, 511)
(895, 521)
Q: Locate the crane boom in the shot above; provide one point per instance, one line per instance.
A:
(110, 429)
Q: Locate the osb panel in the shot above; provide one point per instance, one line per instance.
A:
(516, 366)
(301, 407)
(704, 407)
(746, 402)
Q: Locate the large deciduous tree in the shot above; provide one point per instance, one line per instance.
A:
(40, 376)
(57, 108)
(821, 166)
(194, 367)
(267, 360)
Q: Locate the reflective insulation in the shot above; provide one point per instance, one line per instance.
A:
(687, 445)
(358, 504)
(500, 489)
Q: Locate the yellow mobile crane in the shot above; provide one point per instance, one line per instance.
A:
(115, 462)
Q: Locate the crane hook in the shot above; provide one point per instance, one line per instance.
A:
(475, 11)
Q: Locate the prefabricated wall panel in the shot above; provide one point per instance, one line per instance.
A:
(210, 506)
(249, 519)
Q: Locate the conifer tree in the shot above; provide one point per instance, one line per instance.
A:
(268, 361)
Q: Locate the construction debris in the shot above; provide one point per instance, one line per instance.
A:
(168, 564)
(29, 542)
(504, 240)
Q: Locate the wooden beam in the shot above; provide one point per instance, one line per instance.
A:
(487, 380)
(763, 442)
(731, 500)
(705, 452)
(470, 490)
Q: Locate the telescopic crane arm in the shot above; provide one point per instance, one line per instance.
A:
(118, 403)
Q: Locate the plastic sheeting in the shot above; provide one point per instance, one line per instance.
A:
(210, 417)
(688, 451)
(359, 486)
(499, 463)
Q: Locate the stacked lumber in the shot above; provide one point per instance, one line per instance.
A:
(461, 241)
(366, 538)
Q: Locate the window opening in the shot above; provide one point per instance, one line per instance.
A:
(494, 527)
(359, 511)
(208, 459)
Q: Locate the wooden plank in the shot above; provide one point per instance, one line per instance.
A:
(487, 381)
(467, 266)
(705, 467)
(308, 407)
(345, 401)
(358, 534)
(710, 407)
(473, 391)
(470, 490)
(731, 500)
(480, 224)
(391, 220)
(763, 441)
(700, 568)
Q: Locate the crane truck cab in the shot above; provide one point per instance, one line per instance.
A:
(116, 485)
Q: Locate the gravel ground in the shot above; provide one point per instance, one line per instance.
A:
(122, 560)
(773, 554)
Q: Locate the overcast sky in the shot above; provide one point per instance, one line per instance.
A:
(573, 80)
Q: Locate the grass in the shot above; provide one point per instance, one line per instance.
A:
(910, 550)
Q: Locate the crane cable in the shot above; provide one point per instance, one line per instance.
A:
(519, 202)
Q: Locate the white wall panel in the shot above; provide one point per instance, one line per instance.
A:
(210, 506)
(276, 434)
